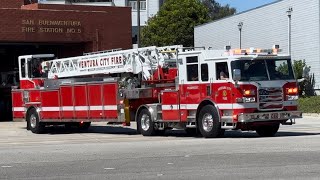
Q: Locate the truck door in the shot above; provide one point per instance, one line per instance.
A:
(222, 86)
(189, 85)
(170, 105)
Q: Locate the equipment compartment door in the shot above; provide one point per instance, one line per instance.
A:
(95, 100)
(170, 106)
(50, 102)
(110, 100)
(81, 102)
(67, 102)
(17, 104)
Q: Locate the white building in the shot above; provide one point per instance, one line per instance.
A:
(268, 25)
(148, 8)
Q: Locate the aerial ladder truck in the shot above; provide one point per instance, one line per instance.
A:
(160, 88)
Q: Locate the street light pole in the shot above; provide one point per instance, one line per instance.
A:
(138, 23)
(240, 29)
(289, 13)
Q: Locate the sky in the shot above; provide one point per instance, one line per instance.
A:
(243, 5)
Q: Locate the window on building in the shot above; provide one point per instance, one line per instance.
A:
(134, 5)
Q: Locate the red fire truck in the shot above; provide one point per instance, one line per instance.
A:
(200, 90)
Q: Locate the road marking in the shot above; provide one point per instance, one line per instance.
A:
(159, 174)
(170, 163)
(187, 156)
(109, 168)
(6, 166)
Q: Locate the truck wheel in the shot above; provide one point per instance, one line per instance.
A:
(268, 131)
(208, 122)
(33, 122)
(145, 124)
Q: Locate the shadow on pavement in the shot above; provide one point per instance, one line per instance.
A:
(240, 134)
(169, 133)
(92, 129)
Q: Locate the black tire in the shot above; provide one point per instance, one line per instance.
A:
(28, 125)
(145, 124)
(268, 131)
(209, 114)
(34, 123)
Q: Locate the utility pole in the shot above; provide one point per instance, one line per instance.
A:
(138, 23)
(240, 29)
(289, 13)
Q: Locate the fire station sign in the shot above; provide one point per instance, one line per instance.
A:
(50, 26)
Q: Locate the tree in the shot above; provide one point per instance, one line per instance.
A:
(305, 80)
(216, 11)
(174, 23)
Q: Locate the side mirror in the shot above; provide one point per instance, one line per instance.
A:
(236, 75)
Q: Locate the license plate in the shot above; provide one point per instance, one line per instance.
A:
(274, 115)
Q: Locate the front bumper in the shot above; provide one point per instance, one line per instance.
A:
(269, 116)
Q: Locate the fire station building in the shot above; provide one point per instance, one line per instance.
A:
(63, 30)
(282, 23)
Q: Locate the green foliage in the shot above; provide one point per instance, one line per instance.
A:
(176, 19)
(283, 68)
(298, 67)
(309, 104)
(306, 81)
(216, 11)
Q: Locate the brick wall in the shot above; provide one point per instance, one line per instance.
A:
(11, 3)
(98, 28)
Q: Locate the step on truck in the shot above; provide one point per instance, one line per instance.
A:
(202, 91)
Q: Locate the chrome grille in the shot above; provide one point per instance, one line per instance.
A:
(270, 98)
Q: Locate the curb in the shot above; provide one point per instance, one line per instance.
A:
(311, 114)
(18, 120)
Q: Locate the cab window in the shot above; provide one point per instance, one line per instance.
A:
(222, 71)
(192, 68)
(204, 72)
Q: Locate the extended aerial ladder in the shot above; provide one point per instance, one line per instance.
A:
(145, 60)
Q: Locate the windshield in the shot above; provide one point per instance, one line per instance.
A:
(264, 69)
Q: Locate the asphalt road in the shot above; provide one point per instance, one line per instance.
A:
(118, 153)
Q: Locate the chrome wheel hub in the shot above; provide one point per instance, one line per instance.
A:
(207, 122)
(145, 122)
(33, 121)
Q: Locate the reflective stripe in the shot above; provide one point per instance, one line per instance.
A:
(67, 108)
(170, 107)
(50, 109)
(238, 106)
(223, 106)
(111, 107)
(189, 106)
(18, 109)
(80, 108)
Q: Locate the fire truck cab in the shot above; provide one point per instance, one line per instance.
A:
(202, 91)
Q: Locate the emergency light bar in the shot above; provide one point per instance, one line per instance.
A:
(255, 51)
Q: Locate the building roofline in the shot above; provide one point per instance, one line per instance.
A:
(277, 1)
